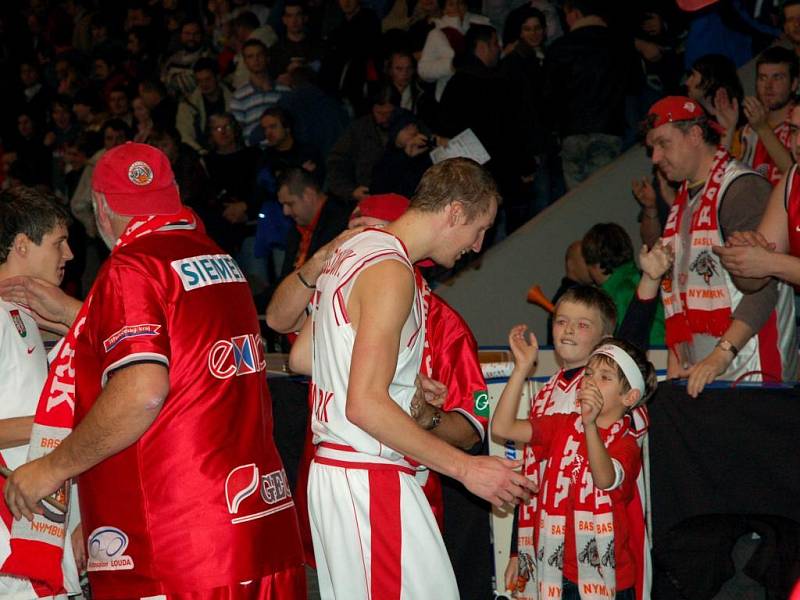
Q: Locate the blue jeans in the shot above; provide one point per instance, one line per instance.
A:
(583, 154)
(570, 592)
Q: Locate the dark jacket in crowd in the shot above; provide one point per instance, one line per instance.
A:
(587, 76)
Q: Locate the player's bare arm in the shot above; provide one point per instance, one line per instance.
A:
(125, 409)
(15, 431)
(300, 355)
(378, 306)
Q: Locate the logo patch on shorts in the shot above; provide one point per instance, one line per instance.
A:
(106, 548)
(140, 173)
(481, 400)
(130, 331)
(18, 323)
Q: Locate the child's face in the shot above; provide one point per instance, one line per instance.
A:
(604, 374)
(577, 329)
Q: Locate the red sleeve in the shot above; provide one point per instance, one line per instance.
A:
(130, 327)
(626, 451)
(544, 430)
(454, 362)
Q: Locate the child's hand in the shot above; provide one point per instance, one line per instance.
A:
(591, 401)
(511, 574)
(657, 261)
(525, 350)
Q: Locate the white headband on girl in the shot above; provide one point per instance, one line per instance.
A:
(626, 363)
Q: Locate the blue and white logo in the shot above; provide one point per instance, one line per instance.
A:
(106, 548)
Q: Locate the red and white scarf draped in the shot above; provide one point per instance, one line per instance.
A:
(697, 301)
(37, 546)
(755, 153)
(567, 476)
(534, 469)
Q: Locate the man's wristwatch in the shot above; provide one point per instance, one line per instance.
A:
(726, 345)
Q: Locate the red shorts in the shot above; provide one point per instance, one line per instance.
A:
(289, 584)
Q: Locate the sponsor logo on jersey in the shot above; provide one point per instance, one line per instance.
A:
(240, 355)
(140, 173)
(241, 486)
(106, 548)
(240, 483)
(481, 403)
(18, 323)
(208, 269)
(130, 331)
(274, 487)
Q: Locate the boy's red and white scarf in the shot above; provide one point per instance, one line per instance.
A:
(542, 404)
(756, 155)
(568, 492)
(37, 546)
(697, 301)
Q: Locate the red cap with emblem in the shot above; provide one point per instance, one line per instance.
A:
(674, 109)
(137, 179)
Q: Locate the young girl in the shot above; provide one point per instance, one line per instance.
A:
(592, 459)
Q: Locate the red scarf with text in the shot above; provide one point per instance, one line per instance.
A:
(697, 301)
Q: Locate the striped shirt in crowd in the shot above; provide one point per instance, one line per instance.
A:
(249, 103)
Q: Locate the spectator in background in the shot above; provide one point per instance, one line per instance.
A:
(444, 42)
(232, 170)
(351, 51)
(714, 83)
(140, 61)
(119, 105)
(406, 158)
(162, 107)
(89, 111)
(318, 217)
(244, 27)
(63, 129)
(551, 21)
(791, 23)
(259, 93)
(105, 74)
(177, 72)
(282, 151)
(587, 76)
(142, 120)
(608, 253)
(320, 119)
(415, 19)
(209, 98)
(35, 97)
(294, 48)
(29, 150)
(575, 273)
(353, 158)
(497, 115)
(763, 143)
(401, 72)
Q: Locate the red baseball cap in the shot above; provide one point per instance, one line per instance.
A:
(387, 207)
(674, 109)
(137, 179)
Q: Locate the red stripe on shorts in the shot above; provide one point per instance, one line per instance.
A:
(385, 534)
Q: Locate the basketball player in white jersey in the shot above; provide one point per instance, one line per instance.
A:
(33, 243)
(374, 533)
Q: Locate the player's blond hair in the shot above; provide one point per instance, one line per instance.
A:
(456, 179)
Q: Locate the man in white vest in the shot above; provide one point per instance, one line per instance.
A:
(712, 329)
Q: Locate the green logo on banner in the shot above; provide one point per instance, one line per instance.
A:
(481, 399)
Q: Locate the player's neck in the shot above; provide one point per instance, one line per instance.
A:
(417, 231)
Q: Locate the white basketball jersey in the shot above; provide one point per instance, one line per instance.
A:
(333, 338)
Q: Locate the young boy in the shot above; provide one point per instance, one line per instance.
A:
(584, 315)
(581, 547)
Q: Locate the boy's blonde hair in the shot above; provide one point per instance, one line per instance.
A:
(595, 299)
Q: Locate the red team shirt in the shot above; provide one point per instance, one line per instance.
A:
(201, 499)
(550, 433)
